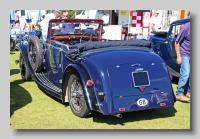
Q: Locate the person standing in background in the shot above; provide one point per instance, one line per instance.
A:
(38, 32)
(182, 48)
(31, 26)
(16, 20)
(67, 28)
(24, 27)
(155, 22)
(44, 26)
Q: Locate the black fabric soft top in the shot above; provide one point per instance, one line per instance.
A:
(98, 44)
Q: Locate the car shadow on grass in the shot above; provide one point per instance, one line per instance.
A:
(19, 97)
(134, 116)
(126, 117)
(14, 71)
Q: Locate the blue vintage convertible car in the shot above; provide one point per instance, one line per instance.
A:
(163, 45)
(94, 74)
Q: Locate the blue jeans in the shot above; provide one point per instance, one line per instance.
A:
(185, 76)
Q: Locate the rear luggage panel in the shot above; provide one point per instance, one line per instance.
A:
(129, 97)
(122, 82)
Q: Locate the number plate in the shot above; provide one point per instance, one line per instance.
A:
(140, 78)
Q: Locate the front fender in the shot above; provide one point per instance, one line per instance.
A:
(23, 51)
(89, 93)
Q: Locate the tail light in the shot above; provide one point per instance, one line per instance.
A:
(121, 109)
(162, 104)
(89, 83)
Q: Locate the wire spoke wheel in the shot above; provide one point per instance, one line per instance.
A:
(76, 97)
(32, 53)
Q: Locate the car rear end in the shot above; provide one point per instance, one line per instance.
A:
(127, 79)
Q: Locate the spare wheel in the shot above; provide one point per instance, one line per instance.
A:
(35, 54)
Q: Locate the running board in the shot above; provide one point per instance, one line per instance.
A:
(45, 81)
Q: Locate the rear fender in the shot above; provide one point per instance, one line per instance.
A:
(89, 93)
(23, 51)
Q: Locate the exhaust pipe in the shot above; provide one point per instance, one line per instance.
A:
(117, 115)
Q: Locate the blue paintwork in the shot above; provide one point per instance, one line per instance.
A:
(23, 51)
(167, 48)
(182, 21)
(119, 90)
(110, 69)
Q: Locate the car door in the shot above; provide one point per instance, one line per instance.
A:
(55, 63)
(170, 46)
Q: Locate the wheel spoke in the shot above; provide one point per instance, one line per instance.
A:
(32, 53)
(77, 97)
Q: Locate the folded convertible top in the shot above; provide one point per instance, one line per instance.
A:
(98, 44)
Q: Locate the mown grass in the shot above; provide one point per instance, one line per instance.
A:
(30, 108)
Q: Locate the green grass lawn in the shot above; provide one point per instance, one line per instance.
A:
(30, 108)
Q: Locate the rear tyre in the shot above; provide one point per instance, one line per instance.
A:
(25, 74)
(76, 97)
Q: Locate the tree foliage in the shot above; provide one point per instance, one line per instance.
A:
(72, 13)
